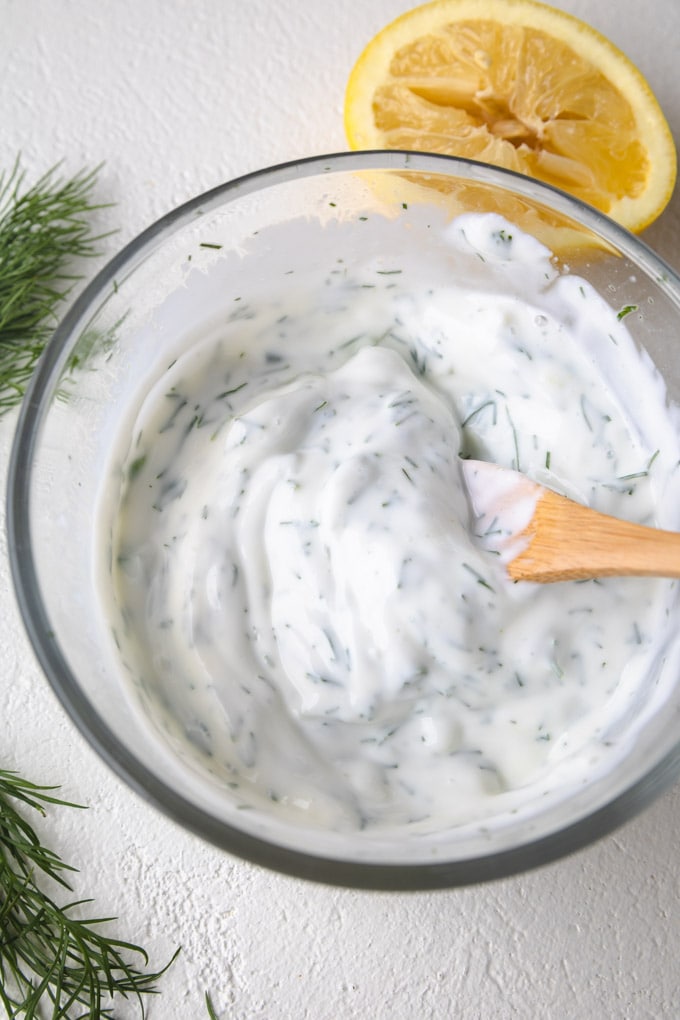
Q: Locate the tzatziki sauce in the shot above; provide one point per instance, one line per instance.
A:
(303, 604)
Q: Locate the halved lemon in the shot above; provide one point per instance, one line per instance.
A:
(521, 85)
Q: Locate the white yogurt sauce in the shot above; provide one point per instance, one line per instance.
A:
(304, 604)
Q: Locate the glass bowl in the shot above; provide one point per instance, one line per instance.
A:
(210, 260)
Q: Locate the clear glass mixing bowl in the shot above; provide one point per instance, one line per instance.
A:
(168, 282)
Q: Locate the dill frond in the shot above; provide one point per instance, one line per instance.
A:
(43, 230)
(50, 958)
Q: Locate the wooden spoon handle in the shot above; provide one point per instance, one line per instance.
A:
(570, 542)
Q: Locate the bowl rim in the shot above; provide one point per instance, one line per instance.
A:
(434, 874)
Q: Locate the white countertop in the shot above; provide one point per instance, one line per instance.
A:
(175, 97)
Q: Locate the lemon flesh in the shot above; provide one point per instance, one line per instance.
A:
(520, 85)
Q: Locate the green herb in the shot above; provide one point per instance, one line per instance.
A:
(47, 955)
(136, 466)
(229, 393)
(491, 530)
(478, 410)
(212, 1015)
(515, 439)
(626, 310)
(635, 474)
(480, 580)
(584, 412)
(42, 230)
(94, 341)
(419, 363)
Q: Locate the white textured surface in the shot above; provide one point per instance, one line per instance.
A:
(176, 96)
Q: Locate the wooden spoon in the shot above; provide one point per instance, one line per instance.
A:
(542, 536)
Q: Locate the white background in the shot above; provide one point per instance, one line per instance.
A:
(175, 96)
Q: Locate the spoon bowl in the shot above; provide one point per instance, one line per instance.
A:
(545, 537)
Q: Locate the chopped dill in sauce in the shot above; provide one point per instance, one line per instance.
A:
(304, 599)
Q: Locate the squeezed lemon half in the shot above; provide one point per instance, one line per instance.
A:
(520, 85)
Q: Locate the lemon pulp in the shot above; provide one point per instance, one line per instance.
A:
(520, 85)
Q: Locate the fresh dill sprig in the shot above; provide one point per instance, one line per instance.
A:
(48, 957)
(43, 229)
